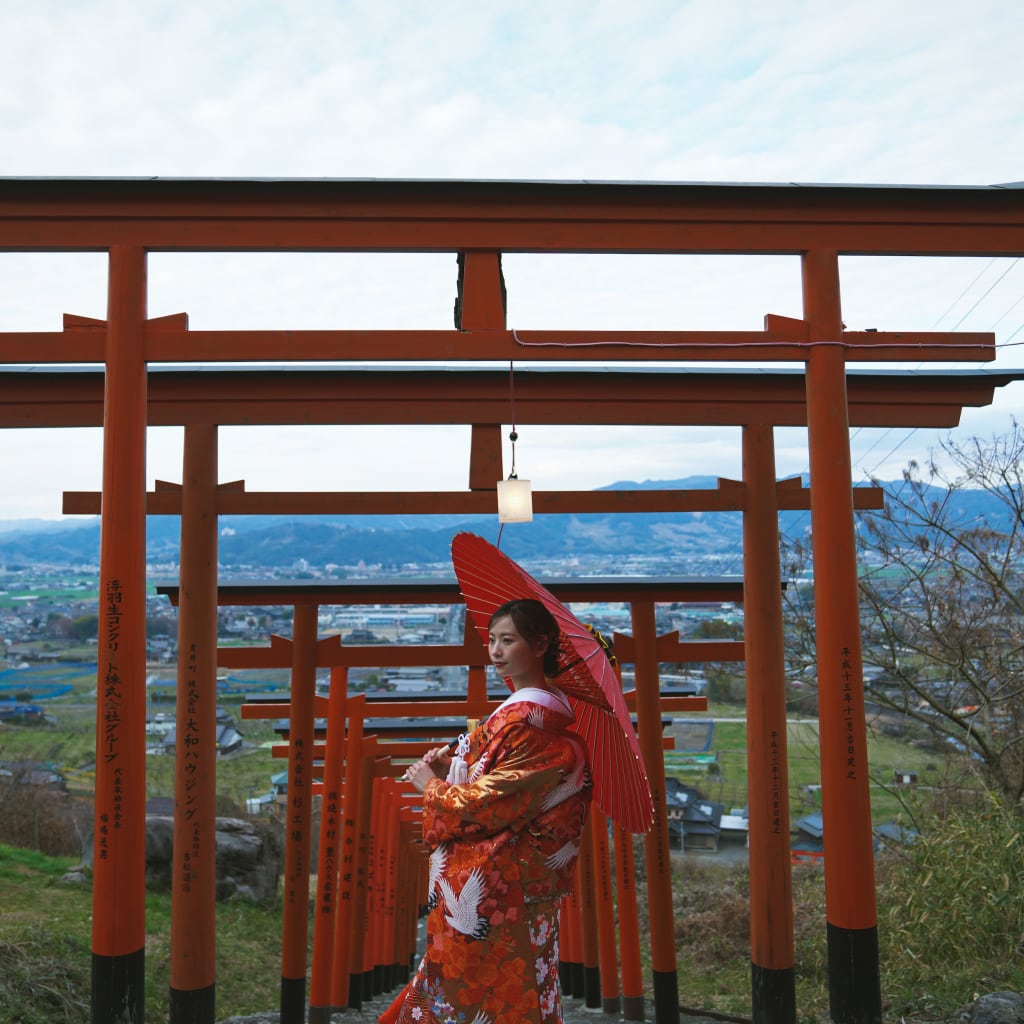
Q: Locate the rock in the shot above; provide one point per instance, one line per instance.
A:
(78, 876)
(249, 857)
(996, 1008)
(159, 851)
(249, 860)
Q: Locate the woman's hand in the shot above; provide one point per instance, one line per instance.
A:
(419, 773)
(433, 764)
(439, 760)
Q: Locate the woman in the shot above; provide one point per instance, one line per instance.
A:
(502, 818)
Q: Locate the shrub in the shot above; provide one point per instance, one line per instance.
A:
(37, 818)
(951, 920)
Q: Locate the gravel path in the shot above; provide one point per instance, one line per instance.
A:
(573, 1010)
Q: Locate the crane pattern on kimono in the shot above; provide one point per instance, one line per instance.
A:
(572, 784)
(462, 909)
(438, 862)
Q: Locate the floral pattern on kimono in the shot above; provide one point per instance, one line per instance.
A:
(504, 846)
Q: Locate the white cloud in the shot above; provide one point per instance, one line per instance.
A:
(712, 90)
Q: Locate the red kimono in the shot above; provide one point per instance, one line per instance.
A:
(504, 844)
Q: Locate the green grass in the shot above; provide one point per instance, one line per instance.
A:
(45, 947)
(951, 925)
(67, 740)
(953, 919)
(726, 779)
(46, 592)
(44, 941)
(70, 743)
(950, 917)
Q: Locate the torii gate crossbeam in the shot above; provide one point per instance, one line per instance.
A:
(479, 221)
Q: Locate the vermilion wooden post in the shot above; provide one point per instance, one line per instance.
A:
(658, 859)
(476, 682)
(773, 986)
(369, 854)
(389, 883)
(480, 302)
(368, 798)
(194, 880)
(564, 965)
(326, 910)
(404, 864)
(574, 940)
(854, 985)
(608, 952)
(119, 853)
(374, 891)
(298, 818)
(588, 917)
(409, 859)
(369, 945)
(419, 895)
(629, 927)
(347, 921)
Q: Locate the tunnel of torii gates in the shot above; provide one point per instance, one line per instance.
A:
(99, 372)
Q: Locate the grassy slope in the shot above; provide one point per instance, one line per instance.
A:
(726, 781)
(44, 929)
(45, 947)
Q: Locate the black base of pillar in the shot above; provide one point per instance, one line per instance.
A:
(367, 983)
(666, 997)
(293, 1000)
(565, 977)
(633, 1008)
(612, 1005)
(355, 991)
(320, 1015)
(592, 987)
(773, 995)
(579, 985)
(854, 985)
(196, 1006)
(118, 987)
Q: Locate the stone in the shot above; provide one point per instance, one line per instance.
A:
(996, 1008)
(249, 857)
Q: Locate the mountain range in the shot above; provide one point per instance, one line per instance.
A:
(602, 541)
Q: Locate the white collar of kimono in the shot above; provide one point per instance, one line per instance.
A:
(553, 699)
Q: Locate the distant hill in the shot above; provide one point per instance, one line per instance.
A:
(267, 542)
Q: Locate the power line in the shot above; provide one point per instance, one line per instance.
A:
(986, 293)
(981, 274)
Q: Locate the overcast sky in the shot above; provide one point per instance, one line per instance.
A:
(900, 92)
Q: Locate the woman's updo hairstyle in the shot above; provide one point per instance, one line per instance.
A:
(533, 622)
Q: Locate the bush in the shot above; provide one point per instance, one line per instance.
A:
(951, 920)
(712, 912)
(36, 818)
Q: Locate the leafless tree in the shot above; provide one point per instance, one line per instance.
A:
(942, 604)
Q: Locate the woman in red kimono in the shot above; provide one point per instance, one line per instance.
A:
(502, 818)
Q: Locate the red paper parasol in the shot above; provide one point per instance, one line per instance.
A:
(488, 578)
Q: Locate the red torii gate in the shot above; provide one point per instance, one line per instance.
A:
(936, 398)
(479, 221)
(932, 399)
(304, 653)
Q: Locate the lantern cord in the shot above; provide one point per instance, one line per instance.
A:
(513, 436)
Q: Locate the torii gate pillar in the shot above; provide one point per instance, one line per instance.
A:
(119, 850)
(773, 986)
(193, 907)
(853, 969)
